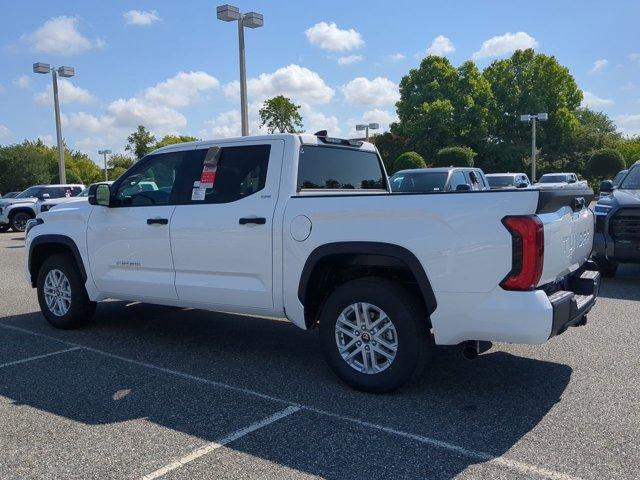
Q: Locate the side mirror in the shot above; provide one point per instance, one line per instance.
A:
(43, 196)
(606, 186)
(463, 187)
(99, 194)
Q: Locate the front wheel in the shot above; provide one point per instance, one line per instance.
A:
(19, 221)
(61, 294)
(374, 334)
(4, 227)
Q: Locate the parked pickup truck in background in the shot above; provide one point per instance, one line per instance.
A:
(17, 211)
(617, 237)
(561, 180)
(305, 227)
(439, 179)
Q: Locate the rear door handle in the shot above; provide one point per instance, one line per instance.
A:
(157, 221)
(256, 220)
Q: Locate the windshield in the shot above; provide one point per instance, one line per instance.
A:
(83, 193)
(504, 181)
(419, 181)
(29, 192)
(553, 179)
(618, 178)
(632, 180)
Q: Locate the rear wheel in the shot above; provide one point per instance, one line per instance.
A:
(63, 299)
(19, 221)
(374, 334)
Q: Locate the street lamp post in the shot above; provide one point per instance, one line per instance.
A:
(370, 126)
(104, 153)
(229, 13)
(533, 118)
(65, 72)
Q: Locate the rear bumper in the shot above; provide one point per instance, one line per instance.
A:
(528, 317)
(570, 307)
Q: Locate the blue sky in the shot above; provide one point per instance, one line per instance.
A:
(172, 66)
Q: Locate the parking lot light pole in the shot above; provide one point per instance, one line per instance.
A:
(229, 13)
(533, 118)
(104, 153)
(65, 72)
(370, 126)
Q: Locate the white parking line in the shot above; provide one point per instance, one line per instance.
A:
(38, 357)
(221, 443)
(520, 467)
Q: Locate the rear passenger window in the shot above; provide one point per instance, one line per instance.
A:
(227, 174)
(334, 168)
(457, 178)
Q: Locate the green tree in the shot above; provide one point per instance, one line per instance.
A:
(140, 142)
(118, 164)
(442, 105)
(604, 163)
(408, 160)
(280, 114)
(25, 164)
(455, 157)
(390, 147)
(81, 168)
(530, 82)
(173, 139)
(629, 148)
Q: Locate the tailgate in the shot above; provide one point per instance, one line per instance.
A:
(568, 231)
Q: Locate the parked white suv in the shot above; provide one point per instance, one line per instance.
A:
(561, 180)
(305, 227)
(16, 212)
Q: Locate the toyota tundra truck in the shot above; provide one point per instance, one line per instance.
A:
(305, 227)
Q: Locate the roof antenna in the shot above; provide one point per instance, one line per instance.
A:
(321, 133)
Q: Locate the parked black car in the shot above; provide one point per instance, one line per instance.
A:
(617, 234)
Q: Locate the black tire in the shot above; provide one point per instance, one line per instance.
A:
(414, 342)
(19, 221)
(4, 228)
(81, 308)
(607, 267)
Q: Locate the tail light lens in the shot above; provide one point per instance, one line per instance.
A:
(527, 240)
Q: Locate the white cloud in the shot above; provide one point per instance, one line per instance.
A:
(4, 132)
(349, 59)
(507, 43)
(377, 92)
(382, 117)
(329, 37)
(628, 124)
(394, 57)
(59, 35)
(23, 81)
(294, 81)
(182, 89)
(441, 46)
(47, 140)
(141, 18)
(634, 57)
(590, 100)
(315, 121)
(67, 92)
(156, 108)
(599, 65)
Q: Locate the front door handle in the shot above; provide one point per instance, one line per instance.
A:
(157, 221)
(256, 220)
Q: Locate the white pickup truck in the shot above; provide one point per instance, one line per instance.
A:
(305, 227)
(561, 180)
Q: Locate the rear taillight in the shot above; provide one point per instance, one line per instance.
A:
(527, 240)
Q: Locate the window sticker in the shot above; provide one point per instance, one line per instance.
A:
(210, 167)
(198, 194)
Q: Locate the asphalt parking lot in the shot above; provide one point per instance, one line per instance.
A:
(156, 392)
